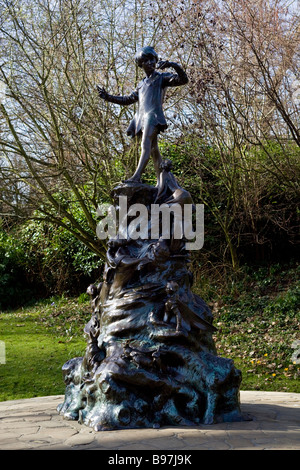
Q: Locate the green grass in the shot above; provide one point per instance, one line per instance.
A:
(38, 341)
(257, 319)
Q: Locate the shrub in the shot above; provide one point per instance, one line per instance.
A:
(58, 259)
(39, 260)
(14, 286)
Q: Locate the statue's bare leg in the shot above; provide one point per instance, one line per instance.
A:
(149, 146)
(157, 158)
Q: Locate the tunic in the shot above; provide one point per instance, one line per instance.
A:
(149, 94)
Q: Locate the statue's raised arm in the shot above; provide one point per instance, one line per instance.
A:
(178, 79)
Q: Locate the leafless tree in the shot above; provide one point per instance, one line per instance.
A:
(62, 149)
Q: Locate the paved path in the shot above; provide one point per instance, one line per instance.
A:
(34, 424)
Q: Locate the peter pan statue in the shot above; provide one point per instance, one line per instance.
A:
(149, 120)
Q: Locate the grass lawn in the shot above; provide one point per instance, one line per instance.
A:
(256, 328)
(38, 341)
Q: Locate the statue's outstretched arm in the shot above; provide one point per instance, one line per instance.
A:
(122, 100)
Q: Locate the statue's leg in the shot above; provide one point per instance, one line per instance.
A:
(149, 136)
(157, 158)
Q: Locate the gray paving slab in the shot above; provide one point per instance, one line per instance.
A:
(34, 424)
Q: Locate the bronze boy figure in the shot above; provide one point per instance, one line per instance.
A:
(149, 120)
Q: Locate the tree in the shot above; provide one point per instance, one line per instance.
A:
(59, 145)
(62, 149)
(242, 59)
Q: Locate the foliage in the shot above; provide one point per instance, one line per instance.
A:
(40, 259)
(251, 213)
(56, 257)
(258, 315)
(14, 287)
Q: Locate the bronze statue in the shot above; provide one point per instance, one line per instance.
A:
(151, 358)
(149, 120)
